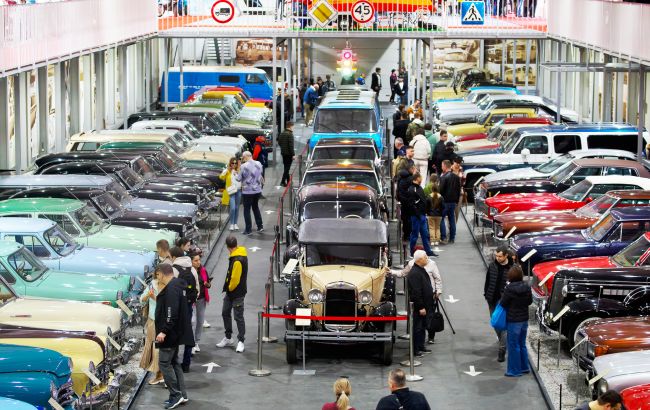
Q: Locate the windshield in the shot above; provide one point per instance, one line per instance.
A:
(109, 205)
(132, 179)
(601, 228)
(563, 173)
(358, 255)
(552, 165)
(144, 168)
(508, 143)
(349, 120)
(482, 119)
(26, 265)
(494, 133)
(630, 255)
(336, 209)
(89, 221)
(597, 207)
(577, 192)
(119, 192)
(191, 130)
(484, 102)
(60, 241)
(344, 153)
(367, 178)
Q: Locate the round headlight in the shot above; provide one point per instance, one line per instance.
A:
(565, 291)
(53, 391)
(315, 296)
(365, 297)
(603, 386)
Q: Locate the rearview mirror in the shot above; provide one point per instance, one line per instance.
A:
(525, 152)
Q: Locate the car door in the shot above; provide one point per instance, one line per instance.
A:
(623, 171)
(532, 149)
(12, 279)
(36, 245)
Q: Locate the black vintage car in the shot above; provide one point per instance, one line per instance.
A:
(157, 189)
(590, 294)
(110, 209)
(207, 123)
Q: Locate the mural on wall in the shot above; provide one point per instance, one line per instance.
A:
(252, 51)
(514, 54)
(456, 54)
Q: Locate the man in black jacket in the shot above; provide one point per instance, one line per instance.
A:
(400, 126)
(285, 141)
(404, 181)
(183, 270)
(450, 187)
(495, 281)
(401, 397)
(375, 83)
(417, 202)
(439, 152)
(172, 330)
(421, 295)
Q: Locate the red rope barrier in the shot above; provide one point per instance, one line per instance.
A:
(339, 318)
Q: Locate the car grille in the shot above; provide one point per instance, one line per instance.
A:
(497, 228)
(65, 394)
(340, 302)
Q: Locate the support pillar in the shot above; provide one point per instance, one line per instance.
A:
(4, 124)
(608, 85)
(124, 94)
(275, 97)
(21, 112)
(43, 110)
(147, 75)
(60, 114)
(87, 82)
(100, 90)
(181, 91)
(641, 110)
(73, 95)
(166, 69)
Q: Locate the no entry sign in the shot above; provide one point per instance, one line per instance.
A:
(363, 11)
(222, 11)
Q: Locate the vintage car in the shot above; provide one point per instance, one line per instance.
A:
(7, 403)
(206, 123)
(12, 184)
(84, 225)
(353, 148)
(636, 397)
(613, 335)
(590, 293)
(331, 200)
(111, 210)
(57, 250)
(621, 371)
(30, 277)
(581, 218)
(572, 198)
(34, 375)
(635, 254)
(499, 132)
(606, 237)
(485, 121)
(342, 272)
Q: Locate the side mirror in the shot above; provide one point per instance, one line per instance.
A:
(588, 199)
(525, 152)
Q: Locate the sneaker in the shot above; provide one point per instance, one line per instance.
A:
(426, 350)
(196, 349)
(247, 233)
(225, 342)
(451, 241)
(240, 347)
(186, 368)
(206, 324)
(173, 404)
(418, 354)
(236, 227)
(260, 230)
(501, 357)
(185, 400)
(431, 341)
(231, 228)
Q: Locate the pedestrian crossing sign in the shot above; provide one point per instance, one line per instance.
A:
(472, 13)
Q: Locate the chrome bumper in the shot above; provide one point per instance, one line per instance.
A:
(339, 337)
(90, 400)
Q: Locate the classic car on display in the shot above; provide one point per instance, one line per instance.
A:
(590, 293)
(499, 132)
(621, 371)
(555, 221)
(608, 336)
(342, 265)
(84, 225)
(353, 148)
(485, 121)
(636, 397)
(347, 170)
(572, 198)
(57, 250)
(635, 254)
(111, 210)
(606, 237)
(206, 123)
(35, 375)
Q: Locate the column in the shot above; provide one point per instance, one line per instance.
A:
(100, 90)
(20, 121)
(73, 95)
(60, 115)
(43, 110)
(4, 124)
(87, 82)
(124, 70)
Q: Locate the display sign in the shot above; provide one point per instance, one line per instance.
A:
(472, 13)
(362, 11)
(323, 13)
(222, 11)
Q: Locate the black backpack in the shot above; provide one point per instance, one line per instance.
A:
(191, 291)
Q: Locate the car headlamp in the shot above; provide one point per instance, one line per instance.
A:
(315, 296)
(603, 386)
(365, 297)
(565, 291)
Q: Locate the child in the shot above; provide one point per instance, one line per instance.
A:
(434, 212)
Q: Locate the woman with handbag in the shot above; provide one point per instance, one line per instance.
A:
(231, 196)
(516, 298)
(149, 359)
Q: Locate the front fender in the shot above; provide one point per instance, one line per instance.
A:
(291, 305)
(30, 387)
(581, 308)
(385, 309)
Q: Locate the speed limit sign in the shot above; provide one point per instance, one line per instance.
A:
(363, 11)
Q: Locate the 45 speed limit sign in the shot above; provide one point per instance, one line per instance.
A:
(363, 11)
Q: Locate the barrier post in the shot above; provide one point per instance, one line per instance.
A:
(278, 269)
(559, 342)
(406, 312)
(259, 371)
(281, 217)
(411, 377)
(271, 283)
(304, 371)
(267, 325)
(300, 166)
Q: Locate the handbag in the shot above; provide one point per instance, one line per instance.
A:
(234, 185)
(435, 321)
(498, 319)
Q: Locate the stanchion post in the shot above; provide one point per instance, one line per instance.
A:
(560, 406)
(271, 283)
(411, 377)
(281, 219)
(407, 309)
(539, 345)
(259, 371)
(267, 325)
(300, 166)
(559, 342)
(277, 254)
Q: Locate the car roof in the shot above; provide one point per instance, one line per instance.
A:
(331, 191)
(582, 153)
(479, 88)
(631, 213)
(595, 127)
(25, 225)
(630, 193)
(40, 205)
(218, 69)
(338, 164)
(54, 180)
(337, 142)
(9, 247)
(66, 192)
(166, 123)
(607, 162)
(96, 166)
(620, 179)
(343, 231)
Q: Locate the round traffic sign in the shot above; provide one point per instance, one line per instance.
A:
(363, 11)
(222, 11)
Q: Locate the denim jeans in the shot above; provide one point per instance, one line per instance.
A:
(236, 305)
(517, 351)
(233, 207)
(172, 372)
(251, 202)
(448, 212)
(187, 351)
(420, 227)
(200, 317)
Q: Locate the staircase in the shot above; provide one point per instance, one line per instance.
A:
(217, 51)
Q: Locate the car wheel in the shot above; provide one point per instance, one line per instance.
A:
(573, 331)
(292, 345)
(387, 347)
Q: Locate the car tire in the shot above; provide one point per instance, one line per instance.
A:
(292, 345)
(573, 329)
(387, 347)
(389, 289)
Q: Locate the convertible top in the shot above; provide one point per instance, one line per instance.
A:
(347, 231)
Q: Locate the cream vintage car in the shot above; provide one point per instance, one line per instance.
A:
(104, 323)
(342, 265)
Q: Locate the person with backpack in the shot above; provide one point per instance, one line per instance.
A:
(184, 271)
(260, 154)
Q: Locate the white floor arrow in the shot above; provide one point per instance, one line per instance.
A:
(278, 187)
(451, 299)
(472, 372)
(269, 212)
(210, 366)
(254, 248)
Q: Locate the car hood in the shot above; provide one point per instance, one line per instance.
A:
(472, 145)
(125, 237)
(519, 173)
(79, 286)
(178, 180)
(541, 270)
(550, 220)
(15, 358)
(61, 315)
(627, 363)
(465, 128)
(155, 206)
(511, 185)
(628, 329)
(485, 151)
(529, 201)
(323, 275)
(546, 239)
(108, 261)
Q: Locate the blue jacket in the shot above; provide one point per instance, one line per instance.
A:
(311, 96)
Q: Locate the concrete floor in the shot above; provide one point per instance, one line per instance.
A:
(445, 384)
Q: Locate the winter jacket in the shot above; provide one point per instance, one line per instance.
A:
(416, 201)
(228, 176)
(310, 97)
(432, 138)
(411, 130)
(204, 279)
(259, 151)
(421, 148)
(403, 399)
(516, 298)
(235, 283)
(438, 153)
(251, 177)
(450, 187)
(285, 141)
(420, 289)
(399, 129)
(495, 281)
(184, 270)
(432, 271)
(404, 181)
(172, 316)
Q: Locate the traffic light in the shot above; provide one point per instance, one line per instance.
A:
(347, 63)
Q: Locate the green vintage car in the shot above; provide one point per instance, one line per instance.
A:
(83, 224)
(30, 278)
